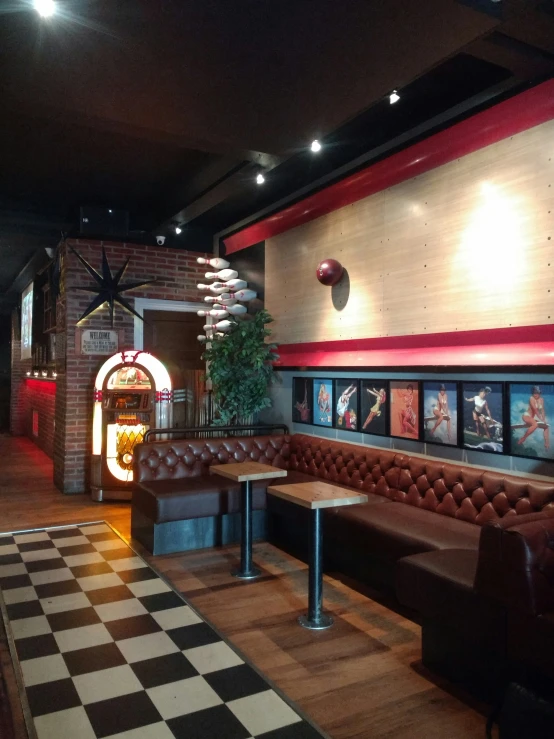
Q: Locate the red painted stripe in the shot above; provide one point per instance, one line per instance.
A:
(508, 118)
(531, 345)
(47, 387)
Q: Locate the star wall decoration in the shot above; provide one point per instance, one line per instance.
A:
(109, 287)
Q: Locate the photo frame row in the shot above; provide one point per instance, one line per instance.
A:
(495, 417)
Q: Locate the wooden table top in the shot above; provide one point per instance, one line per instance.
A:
(317, 494)
(242, 471)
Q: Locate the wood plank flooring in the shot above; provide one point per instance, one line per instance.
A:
(361, 679)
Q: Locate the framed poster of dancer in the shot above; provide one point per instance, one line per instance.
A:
(302, 395)
(531, 416)
(440, 412)
(404, 409)
(374, 401)
(483, 418)
(324, 402)
(347, 405)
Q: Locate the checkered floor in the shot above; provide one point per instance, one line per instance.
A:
(108, 649)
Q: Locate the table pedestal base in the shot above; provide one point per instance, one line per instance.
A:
(323, 622)
(249, 575)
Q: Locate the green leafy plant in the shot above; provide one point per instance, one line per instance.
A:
(240, 368)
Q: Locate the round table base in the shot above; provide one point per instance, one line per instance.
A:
(254, 572)
(323, 622)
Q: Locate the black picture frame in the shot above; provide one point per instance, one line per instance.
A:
(372, 392)
(520, 410)
(323, 402)
(347, 413)
(476, 431)
(437, 427)
(302, 400)
(404, 412)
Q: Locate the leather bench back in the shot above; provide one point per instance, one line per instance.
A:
(448, 488)
(170, 460)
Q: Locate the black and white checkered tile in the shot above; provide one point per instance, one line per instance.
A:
(108, 649)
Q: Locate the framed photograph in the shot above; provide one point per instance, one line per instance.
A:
(347, 415)
(302, 399)
(374, 403)
(404, 409)
(440, 412)
(483, 418)
(531, 416)
(323, 402)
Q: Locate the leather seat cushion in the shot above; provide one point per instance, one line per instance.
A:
(439, 586)
(195, 497)
(396, 530)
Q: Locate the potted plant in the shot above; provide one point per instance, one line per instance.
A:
(240, 368)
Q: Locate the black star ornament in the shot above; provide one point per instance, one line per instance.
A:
(109, 287)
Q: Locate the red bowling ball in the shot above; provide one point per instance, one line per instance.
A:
(329, 272)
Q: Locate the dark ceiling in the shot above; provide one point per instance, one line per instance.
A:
(169, 109)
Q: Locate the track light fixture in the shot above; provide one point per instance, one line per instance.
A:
(178, 230)
(45, 8)
(394, 97)
(316, 146)
(260, 179)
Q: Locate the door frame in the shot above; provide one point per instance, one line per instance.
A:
(179, 306)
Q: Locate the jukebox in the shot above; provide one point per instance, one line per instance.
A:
(132, 393)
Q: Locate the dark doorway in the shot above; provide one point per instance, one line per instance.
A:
(171, 337)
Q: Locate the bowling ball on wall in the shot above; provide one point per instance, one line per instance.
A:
(329, 272)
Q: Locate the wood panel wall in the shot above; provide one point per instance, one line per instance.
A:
(469, 245)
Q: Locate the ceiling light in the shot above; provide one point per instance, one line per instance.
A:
(45, 8)
(178, 230)
(260, 179)
(394, 97)
(316, 146)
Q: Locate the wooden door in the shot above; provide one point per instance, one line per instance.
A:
(171, 337)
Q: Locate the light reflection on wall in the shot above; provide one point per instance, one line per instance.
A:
(492, 258)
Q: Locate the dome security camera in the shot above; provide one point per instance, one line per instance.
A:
(160, 240)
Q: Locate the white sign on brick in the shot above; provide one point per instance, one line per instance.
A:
(95, 341)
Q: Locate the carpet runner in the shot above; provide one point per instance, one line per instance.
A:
(106, 648)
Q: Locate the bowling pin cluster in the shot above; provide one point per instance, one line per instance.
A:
(226, 294)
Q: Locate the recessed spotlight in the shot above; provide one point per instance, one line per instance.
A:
(260, 179)
(316, 146)
(45, 8)
(178, 230)
(394, 97)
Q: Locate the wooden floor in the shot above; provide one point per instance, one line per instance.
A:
(360, 679)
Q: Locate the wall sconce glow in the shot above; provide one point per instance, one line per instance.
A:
(316, 146)
(45, 8)
(260, 179)
(394, 97)
(178, 230)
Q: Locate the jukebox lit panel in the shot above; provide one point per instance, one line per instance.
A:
(128, 407)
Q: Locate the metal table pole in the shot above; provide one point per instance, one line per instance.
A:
(246, 571)
(315, 619)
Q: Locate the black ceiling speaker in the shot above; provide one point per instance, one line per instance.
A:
(104, 222)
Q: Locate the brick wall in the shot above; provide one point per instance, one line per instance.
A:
(176, 273)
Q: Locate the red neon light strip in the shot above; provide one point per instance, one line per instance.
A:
(47, 387)
(508, 118)
(531, 345)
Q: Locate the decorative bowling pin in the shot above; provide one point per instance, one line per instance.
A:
(213, 288)
(236, 284)
(223, 274)
(215, 313)
(216, 262)
(223, 299)
(243, 295)
(220, 326)
(234, 310)
(202, 339)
